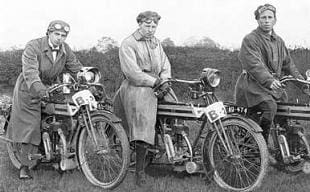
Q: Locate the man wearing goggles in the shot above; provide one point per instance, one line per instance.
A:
(43, 60)
(264, 58)
(144, 64)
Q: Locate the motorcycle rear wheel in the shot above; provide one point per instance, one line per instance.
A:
(14, 153)
(14, 149)
(243, 171)
(108, 169)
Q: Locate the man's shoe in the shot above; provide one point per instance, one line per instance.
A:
(140, 178)
(24, 173)
(271, 157)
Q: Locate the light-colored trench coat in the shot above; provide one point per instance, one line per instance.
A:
(135, 103)
(37, 66)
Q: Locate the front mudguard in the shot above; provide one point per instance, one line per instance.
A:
(254, 126)
(109, 115)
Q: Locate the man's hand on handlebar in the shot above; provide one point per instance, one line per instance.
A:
(276, 84)
(161, 87)
(43, 94)
(306, 89)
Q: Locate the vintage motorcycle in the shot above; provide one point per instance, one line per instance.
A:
(287, 138)
(229, 148)
(79, 131)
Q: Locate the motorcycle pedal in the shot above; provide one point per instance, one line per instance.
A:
(153, 150)
(179, 168)
(306, 167)
(37, 156)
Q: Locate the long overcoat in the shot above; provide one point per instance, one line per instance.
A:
(37, 66)
(264, 58)
(141, 62)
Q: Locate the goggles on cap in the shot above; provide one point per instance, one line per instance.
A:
(266, 7)
(149, 20)
(58, 26)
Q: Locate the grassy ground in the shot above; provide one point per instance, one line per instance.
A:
(159, 179)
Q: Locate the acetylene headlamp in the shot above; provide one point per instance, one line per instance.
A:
(308, 74)
(66, 79)
(210, 76)
(89, 75)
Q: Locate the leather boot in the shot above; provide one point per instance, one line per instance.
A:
(265, 125)
(24, 172)
(141, 149)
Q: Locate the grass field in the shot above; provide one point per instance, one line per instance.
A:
(159, 179)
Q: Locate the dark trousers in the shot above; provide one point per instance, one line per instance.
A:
(264, 114)
(25, 150)
(141, 150)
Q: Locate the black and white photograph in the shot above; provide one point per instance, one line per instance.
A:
(156, 96)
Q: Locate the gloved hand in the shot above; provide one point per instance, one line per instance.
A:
(40, 92)
(306, 89)
(43, 94)
(162, 90)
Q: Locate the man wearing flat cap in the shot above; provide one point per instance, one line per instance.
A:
(43, 60)
(144, 65)
(264, 59)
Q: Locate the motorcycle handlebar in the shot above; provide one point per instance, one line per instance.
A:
(171, 80)
(289, 78)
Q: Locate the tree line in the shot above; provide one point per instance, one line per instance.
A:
(186, 63)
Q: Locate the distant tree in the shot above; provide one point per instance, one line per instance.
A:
(168, 42)
(201, 42)
(105, 44)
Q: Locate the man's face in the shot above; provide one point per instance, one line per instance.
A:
(266, 20)
(148, 29)
(57, 37)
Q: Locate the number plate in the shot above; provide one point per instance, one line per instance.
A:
(85, 97)
(215, 111)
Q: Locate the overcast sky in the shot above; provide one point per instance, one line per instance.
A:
(224, 21)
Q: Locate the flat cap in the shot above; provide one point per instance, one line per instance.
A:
(148, 16)
(263, 8)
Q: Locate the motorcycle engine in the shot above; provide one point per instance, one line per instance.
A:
(294, 127)
(51, 124)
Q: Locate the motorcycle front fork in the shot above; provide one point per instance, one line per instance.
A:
(225, 140)
(101, 147)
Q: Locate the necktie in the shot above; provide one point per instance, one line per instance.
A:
(54, 53)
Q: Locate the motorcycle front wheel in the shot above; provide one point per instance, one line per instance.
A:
(245, 168)
(104, 165)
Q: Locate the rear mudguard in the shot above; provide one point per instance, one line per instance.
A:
(254, 126)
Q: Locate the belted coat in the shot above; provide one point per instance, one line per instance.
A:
(38, 66)
(263, 58)
(142, 61)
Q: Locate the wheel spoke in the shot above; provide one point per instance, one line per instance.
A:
(241, 170)
(106, 164)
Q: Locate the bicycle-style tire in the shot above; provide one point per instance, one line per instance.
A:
(105, 170)
(243, 171)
